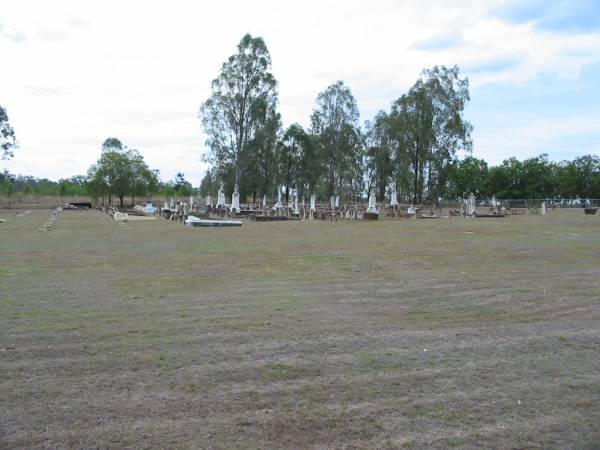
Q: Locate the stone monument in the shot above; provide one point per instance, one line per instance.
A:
(394, 198)
(372, 202)
(235, 200)
(471, 206)
(149, 209)
(221, 197)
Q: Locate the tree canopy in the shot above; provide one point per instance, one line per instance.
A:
(8, 140)
(120, 172)
(240, 117)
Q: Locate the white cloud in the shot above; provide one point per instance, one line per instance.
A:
(139, 71)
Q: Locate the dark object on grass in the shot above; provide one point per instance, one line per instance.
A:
(591, 211)
(370, 216)
(77, 205)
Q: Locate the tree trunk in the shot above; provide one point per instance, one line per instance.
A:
(416, 177)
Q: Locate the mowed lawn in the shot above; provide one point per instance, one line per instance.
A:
(467, 333)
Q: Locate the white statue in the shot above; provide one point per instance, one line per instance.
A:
(264, 202)
(279, 203)
(296, 209)
(221, 197)
(372, 202)
(544, 208)
(235, 200)
(394, 198)
(494, 202)
(471, 206)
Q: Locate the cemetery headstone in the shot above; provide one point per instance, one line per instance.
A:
(394, 198)
(221, 197)
(235, 200)
(149, 209)
(372, 208)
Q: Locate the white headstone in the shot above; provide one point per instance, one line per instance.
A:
(332, 202)
(394, 198)
(264, 202)
(235, 200)
(544, 209)
(313, 202)
(494, 202)
(278, 206)
(372, 202)
(337, 201)
(221, 197)
(296, 209)
(471, 206)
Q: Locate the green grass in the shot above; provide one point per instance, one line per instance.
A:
(392, 334)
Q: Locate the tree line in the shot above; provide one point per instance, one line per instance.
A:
(421, 148)
(119, 174)
(532, 178)
(409, 148)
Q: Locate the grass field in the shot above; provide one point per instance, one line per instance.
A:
(465, 333)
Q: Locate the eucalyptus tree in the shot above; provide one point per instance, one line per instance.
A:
(242, 103)
(450, 131)
(379, 154)
(309, 170)
(334, 124)
(8, 140)
(112, 144)
(118, 172)
(289, 153)
(411, 129)
(143, 180)
(468, 175)
(429, 129)
(208, 185)
(588, 176)
(261, 169)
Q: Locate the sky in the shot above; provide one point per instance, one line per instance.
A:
(76, 72)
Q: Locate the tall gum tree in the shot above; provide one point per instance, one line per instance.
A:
(242, 103)
(334, 124)
(429, 129)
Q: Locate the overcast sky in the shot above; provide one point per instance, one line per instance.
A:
(76, 72)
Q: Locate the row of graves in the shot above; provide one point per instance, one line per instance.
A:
(205, 213)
